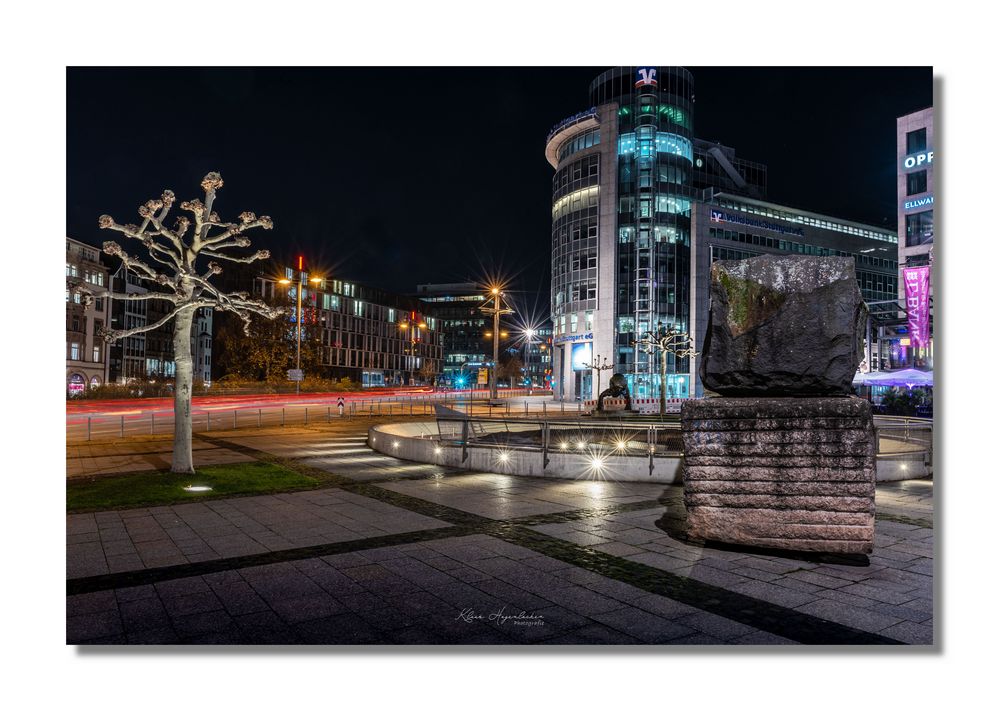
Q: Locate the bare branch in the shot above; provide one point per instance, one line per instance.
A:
(143, 297)
(147, 272)
(261, 254)
(110, 335)
(264, 222)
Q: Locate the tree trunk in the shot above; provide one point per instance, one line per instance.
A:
(662, 384)
(183, 459)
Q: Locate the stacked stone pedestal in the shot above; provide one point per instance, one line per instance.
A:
(786, 473)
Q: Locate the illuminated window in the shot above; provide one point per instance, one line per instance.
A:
(573, 322)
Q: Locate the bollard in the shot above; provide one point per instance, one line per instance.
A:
(208, 422)
(258, 418)
(123, 426)
(282, 417)
(544, 409)
(306, 415)
(88, 427)
(152, 423)
(234, 419)
(327, 414)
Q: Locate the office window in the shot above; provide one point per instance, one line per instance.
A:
(97, 354)
(915, 141)
(74, 351)
(915, 182)
(573, 322)
(919, 228)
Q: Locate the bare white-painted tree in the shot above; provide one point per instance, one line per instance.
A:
(182, 278)
(660, 343)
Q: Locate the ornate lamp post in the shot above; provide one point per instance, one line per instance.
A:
(662, 342)
(599, 363)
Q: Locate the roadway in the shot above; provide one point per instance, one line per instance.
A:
(98, 419)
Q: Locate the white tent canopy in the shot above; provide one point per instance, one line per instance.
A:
(909, 377)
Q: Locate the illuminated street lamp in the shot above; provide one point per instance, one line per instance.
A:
(298, 314)
(414, 338)
(529, 334)
(497, 308)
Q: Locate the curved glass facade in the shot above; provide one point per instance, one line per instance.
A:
(654, 159)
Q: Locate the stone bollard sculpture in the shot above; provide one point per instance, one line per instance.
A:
(785, 457)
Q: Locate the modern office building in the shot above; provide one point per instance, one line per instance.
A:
(369, 335)
(466, 335)
(463, 328)
(640, 209)
(86, 351)
(916, 202)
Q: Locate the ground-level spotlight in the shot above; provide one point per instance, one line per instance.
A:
(597, 463)
(198, 487)
(580, 444)
(395, 445)
(622, 444)
(437, 450)
(563, 445)
(504, 457)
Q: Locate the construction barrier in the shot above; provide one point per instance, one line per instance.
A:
(644, 405)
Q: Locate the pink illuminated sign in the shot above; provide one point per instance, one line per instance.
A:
(917, 303)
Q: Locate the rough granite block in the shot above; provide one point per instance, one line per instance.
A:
(801, 486)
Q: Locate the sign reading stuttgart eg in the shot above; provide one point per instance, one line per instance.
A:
(574, 338)
(646, 76)
(917, 160)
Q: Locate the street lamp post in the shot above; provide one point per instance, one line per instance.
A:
(599, 363)
(414, 337)
(496, 296)
(529, 340)
(298, 316)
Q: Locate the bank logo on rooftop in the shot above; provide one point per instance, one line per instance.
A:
(646, 76)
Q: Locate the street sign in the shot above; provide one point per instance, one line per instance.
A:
(294, 374)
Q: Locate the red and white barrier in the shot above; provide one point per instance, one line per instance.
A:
(644, 405)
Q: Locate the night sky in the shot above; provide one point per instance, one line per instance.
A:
(394, 177)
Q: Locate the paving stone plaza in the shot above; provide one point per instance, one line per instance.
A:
(392, 552)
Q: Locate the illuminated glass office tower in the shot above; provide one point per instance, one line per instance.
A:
(622, 187)
(640, 210)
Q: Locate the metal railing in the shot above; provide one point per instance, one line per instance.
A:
(895, 437)
(596, 439)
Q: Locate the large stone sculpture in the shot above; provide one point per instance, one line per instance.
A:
(783, 326)
(618, 387)
(786, 458)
